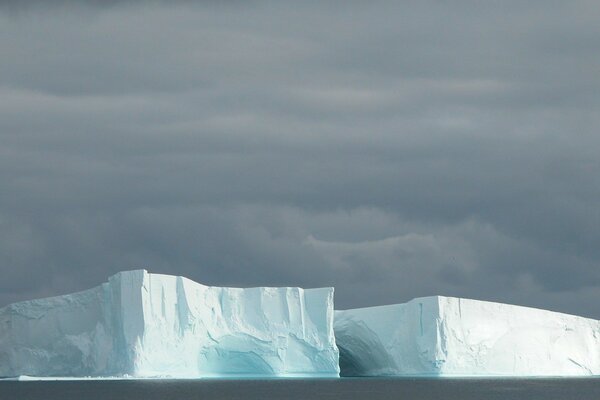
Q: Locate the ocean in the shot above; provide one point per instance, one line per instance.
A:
(272, 389)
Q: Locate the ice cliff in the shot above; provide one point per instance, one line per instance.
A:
(444, 336)
(141, 325)
(150, 325)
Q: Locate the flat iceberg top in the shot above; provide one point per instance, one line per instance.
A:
(448, 336)
(59, 300)
(450, 299)
(140, 324)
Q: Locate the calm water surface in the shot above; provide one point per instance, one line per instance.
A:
(344, 388)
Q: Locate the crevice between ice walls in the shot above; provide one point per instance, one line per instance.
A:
(128, 319)
(396, 339)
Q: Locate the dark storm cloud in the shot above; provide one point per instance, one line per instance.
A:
(393, 150)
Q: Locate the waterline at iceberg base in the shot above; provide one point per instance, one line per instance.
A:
(142, 325)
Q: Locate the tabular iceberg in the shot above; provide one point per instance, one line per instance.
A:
(142, 325)
(444, 336)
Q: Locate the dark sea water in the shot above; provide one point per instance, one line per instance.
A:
(344, 388)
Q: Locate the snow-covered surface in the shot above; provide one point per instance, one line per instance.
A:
(142, 325)
(444, 336)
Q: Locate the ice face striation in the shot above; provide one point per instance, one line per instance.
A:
(445, 336)
(142, 325)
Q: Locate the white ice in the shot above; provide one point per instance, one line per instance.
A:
(444, 336)
(143, 325)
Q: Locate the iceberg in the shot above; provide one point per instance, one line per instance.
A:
(446, 336)
(140, 324)
(143, 325)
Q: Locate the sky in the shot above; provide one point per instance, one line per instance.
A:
(390, 149)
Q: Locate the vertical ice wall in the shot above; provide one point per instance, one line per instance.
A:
(444, 336)
(142, 324)
(196, 330)
(498, 339)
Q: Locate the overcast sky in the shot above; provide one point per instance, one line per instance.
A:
(390, 149)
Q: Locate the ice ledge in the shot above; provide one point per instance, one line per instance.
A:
(447, 336)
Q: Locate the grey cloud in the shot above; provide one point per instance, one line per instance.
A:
(393, 150)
